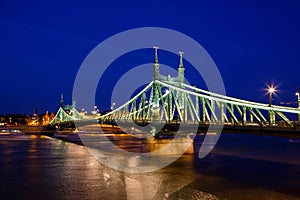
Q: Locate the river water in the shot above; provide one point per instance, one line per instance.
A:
(240, 166)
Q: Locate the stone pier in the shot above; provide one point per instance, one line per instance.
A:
(169, 146)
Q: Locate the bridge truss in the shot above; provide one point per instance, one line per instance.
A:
(166, 101)
(67, 114)
(169, 99)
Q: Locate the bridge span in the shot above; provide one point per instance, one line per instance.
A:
(170, 100)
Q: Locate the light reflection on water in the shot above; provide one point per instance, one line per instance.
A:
(240, 167)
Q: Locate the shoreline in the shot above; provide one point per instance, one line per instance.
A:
(279, 132)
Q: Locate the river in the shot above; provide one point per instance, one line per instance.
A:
(241, 166)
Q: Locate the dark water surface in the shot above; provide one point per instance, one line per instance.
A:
(239, 167)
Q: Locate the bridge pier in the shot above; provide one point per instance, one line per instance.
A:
(179, 145)
(155, 114)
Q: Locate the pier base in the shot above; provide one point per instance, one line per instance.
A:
(167, 146)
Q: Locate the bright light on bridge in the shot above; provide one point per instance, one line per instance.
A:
(271, 89)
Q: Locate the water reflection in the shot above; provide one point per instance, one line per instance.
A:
(53, 169)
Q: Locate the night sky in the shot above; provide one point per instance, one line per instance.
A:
(43, 43)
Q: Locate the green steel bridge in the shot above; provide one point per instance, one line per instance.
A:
(168, 99)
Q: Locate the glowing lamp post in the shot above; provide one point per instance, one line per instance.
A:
(94, 112)
(271, 90)
(298, 98)
(112, 106)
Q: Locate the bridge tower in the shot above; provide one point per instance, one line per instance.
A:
(181, 80)
(181, 69)
(155, 64)
(155, 108)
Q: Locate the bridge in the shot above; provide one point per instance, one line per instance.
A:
(171, 100)
(67, 113)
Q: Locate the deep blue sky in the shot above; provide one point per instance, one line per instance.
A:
(43, 43)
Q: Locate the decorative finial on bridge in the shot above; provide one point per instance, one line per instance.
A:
(181, 62)
(61, 99)
(155, 55)
(181, 69)
(156, 64)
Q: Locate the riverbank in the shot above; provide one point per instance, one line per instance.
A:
(72, 136)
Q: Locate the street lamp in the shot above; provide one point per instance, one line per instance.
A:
(112, 106)
(298, 97)
(271, 90)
